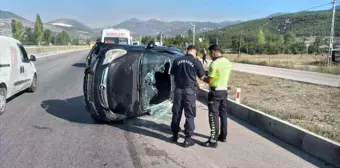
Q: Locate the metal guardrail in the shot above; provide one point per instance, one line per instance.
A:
(51, 49)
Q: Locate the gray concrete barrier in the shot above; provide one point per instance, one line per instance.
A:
(311, 143)
(52, 49)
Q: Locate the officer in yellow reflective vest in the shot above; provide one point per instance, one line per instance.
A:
(218, 77)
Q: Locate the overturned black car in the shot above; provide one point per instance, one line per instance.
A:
(123, 81)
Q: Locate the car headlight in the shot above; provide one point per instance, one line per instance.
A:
(113, 54)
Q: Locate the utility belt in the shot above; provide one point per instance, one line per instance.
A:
(218, 89)
(194, 87)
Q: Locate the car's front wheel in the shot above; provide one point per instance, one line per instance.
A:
(3, 93)
(33, 86)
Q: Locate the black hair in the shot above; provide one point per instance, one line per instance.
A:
(191, 47)
(214, 47)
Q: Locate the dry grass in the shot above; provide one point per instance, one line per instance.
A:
(301, 62)
(315, 108)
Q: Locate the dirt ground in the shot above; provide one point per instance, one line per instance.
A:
(315, 108)
(306, 62)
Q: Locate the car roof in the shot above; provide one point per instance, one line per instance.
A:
(7, 38)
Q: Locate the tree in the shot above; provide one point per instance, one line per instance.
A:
(260, 38)
(47, 36)
(75, 41)
(14, 27)
(17, 29)
(190, 35)
(200, 45)
(28, 38)
(290, 38)
(298, 48)
(63, 38)
(38, 30)
(53, 40)
(147, 39)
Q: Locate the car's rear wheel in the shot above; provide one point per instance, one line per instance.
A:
(33, 86)
(3, 93)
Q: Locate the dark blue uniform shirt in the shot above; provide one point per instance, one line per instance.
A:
(185, 70)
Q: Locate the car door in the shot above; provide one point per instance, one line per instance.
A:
(14, 71)
(25, 69)
(151, 63)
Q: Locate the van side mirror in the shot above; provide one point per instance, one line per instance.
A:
(32, 58)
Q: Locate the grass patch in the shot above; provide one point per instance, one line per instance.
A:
(313, 107)
(315, 63)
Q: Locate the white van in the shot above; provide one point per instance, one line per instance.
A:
(116, 36)
(17, 71)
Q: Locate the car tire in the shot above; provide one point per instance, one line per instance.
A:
(33, 86)
(3, 94)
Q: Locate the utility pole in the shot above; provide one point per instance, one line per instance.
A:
(193, 40)
(161, 39)
(331, 36)
(239, 46)
(193, 33)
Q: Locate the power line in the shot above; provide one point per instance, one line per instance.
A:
(305, 10)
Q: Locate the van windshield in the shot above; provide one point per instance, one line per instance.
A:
(116, 40)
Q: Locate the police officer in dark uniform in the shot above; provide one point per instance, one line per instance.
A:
(185, 71)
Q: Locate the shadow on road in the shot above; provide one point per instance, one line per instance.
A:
(73, 110)
(79, 65)
(202, 97)
(151, 129)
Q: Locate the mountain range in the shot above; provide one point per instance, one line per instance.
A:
(305, 25)
(169, 28)
(309, 23)
(136, 26)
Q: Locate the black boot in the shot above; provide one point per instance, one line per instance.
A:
(174, 138)
(210, 143)
(222, 139)
(188, 142)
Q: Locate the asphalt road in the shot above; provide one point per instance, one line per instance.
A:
(297, 75)
(51, 129)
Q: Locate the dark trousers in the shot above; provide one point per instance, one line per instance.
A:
(184, 99)
(204, 60)
(217, 105)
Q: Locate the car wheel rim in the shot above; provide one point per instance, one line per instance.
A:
(35, 82)
(2, 102)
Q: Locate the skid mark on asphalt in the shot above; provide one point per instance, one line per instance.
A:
(132, 150)
(153, 151)
(42, 128)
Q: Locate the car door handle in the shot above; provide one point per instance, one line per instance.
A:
(22, 70)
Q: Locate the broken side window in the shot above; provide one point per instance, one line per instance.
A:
(155, 82)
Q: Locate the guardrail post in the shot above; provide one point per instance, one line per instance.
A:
(238, 96)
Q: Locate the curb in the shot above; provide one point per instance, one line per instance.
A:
(311, 143)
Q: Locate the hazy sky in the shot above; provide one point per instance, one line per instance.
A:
(99, 13)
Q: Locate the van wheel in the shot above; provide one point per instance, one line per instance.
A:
(3, 94)
(33, 86)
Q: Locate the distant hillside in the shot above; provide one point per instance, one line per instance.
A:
(69, 24)
(153, 26)
(277, 14)
(76, 29)
(303, 24)
(9, 15)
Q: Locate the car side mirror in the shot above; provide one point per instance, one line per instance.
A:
(32, 58)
